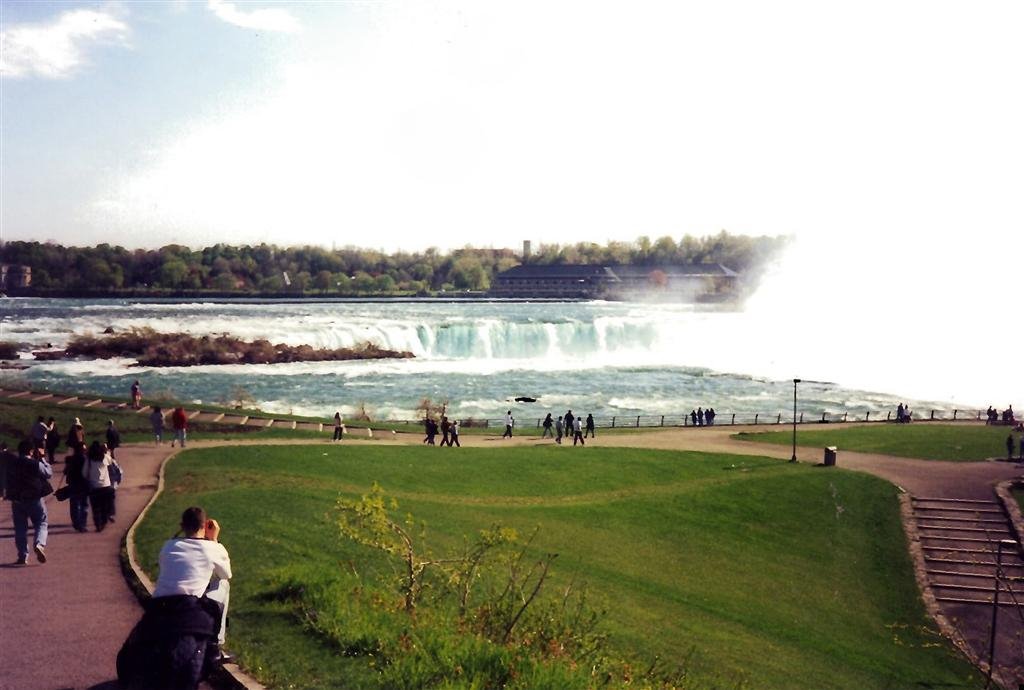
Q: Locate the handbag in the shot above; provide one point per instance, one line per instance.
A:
(116, 476)
(63, 493)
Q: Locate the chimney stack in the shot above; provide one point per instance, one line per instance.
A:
(526, 251)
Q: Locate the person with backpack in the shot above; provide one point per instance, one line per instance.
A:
(27, 483)
(180, 638)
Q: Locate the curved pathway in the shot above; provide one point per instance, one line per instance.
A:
(64, 622)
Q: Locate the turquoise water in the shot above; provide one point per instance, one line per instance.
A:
(603, 358)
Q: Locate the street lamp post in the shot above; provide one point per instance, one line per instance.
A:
(795, 381)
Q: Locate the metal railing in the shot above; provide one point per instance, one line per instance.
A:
(732, 419)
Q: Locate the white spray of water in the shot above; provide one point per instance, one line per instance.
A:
(933, 318)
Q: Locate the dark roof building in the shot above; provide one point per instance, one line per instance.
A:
(682, 282)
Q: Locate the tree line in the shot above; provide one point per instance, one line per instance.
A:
(349, 271)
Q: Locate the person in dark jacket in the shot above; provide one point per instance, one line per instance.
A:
(76, 435)
(27, 484)
(590, 426)
(52, 440)
(445, 428)
(78, 486)
(113, 438)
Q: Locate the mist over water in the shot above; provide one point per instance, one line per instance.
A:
(935, 318)
(605, 358)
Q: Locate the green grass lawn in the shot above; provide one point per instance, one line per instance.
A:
(747, 572)
(931, 441)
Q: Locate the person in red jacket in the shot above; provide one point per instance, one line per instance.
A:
(180, 423)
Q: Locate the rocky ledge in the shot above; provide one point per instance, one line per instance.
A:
(153, 349)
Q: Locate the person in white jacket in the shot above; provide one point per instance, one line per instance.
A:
(196, 564)
(96, 469)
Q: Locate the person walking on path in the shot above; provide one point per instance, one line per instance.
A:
(431, 431)
(577, 431)
(101, 489)
(693, 417)
(76, 435)
(339, 426)
(27, 484)
(39, 433)
(113, 438)
(509, 423)
(558, 429)
(568, 423)
(52, 440)
(445, 428)
(180, 423)
(136, 395)
(156, 420)
(700, 416)
(454, 434)
(1009, 447)
(547, 423)
(590, 426)
(78, 488)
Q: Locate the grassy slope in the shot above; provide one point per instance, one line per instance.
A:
(930, 441)
(18, 416)
(757, 572)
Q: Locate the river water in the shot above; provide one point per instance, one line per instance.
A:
(602, 357)
(599, 357)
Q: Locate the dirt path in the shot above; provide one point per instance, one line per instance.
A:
(64, 621)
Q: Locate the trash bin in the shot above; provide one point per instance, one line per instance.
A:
(830, 456)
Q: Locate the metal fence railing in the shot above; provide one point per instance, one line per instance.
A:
(731, 419)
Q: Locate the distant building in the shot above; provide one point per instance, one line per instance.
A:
(15, 276)
(680, 282)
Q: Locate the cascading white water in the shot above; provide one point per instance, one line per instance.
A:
(609, 358)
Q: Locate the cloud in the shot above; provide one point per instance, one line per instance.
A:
(57, 49)
(262, 20)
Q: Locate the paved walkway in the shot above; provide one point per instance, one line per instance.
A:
(63, 622)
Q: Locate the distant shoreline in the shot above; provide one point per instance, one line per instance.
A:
(292, 298)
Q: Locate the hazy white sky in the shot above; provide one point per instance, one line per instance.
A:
(406, 125)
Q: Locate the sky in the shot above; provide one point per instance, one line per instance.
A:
(894, 124)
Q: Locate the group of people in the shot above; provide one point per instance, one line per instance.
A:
(91, 474)
(179, 423)
(903, 415)
(702, 417)
(561, 427)
(449, 431)
(1006, 416)
(180, 635)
